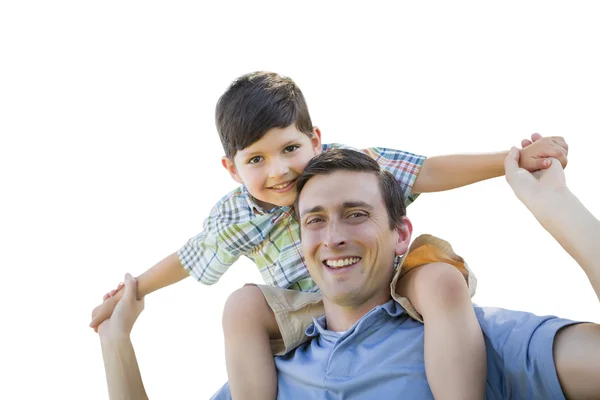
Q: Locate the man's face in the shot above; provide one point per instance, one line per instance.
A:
(346, 237)
(270, 166)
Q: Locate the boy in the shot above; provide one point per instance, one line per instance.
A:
(268, 138)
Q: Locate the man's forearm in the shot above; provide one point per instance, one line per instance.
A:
(449, 172)
(165, 273)
(575, 228)
(122, 370)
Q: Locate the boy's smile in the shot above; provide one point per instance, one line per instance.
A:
(270, 166)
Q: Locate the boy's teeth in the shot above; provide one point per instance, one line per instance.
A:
(342, 263)
(283, 185)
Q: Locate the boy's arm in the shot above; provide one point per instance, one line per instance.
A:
(453, 171)
(165, 273)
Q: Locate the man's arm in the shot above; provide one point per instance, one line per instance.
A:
(577, 347)
(120, 364)
(122, 372)
(452, 171)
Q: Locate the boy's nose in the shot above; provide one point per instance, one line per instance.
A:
(278, 168)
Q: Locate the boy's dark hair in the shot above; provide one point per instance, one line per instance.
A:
(255, 103)
(351, 160)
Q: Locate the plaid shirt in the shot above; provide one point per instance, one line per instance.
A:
(238, 226)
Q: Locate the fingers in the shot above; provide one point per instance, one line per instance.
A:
(511, 162)
(102, 312)
(130, 287)
(541, 163)
(525, 143)
(535, 137)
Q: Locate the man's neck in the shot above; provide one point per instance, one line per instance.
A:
(342, 317)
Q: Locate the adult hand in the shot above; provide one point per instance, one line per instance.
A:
(125, 313)
(533, 189)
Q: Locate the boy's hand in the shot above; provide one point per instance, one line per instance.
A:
(113, 292)
(536, 152)
(105, 310)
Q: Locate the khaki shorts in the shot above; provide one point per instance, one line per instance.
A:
(294, 310)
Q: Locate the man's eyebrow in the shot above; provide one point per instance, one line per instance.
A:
(346, 204)
(315, 209)
(357, 204)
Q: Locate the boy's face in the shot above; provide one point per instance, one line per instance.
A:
(270, 166)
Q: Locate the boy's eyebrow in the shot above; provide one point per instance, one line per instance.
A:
(286, 144)
(345, 205)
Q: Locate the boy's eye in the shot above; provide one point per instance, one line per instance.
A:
(254, 160)
(291, 148)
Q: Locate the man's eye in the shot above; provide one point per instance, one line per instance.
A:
(357, 215)
(254, 160)
(313, 220)
(291, 148)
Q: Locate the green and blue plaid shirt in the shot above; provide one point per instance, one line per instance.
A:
(238, 226)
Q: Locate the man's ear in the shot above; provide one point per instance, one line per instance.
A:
(404, 235)
(315, 141)
(229, 165)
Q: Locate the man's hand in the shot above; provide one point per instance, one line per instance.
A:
(126, 311)
(533, 188)
(536, 152)
(105, 310)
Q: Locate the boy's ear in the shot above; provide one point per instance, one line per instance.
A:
(315, 140)
(229, 165)
(404, 235)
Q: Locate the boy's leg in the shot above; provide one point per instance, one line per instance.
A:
(455, 357)
(248, 326)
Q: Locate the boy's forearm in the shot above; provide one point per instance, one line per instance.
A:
(122, 371)
(574, 228)
(165, 273)
(453, 171)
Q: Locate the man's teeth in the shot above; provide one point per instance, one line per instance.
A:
(342, 263)
(282, 185)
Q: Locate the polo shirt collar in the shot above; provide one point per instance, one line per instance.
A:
(319, 325)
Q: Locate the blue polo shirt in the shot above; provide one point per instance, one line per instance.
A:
(382, 356)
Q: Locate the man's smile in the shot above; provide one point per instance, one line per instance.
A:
(341, 262)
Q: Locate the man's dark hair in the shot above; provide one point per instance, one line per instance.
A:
(255, 103)
(351, 160)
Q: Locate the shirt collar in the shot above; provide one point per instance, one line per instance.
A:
(252, 203)
(319, 325)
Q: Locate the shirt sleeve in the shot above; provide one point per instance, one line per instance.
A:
(208, 255)
(403, 165)
(520, 353)
(223, 393)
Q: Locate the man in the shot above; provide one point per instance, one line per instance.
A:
(365, 345)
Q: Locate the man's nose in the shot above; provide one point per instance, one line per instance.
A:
(334, 236)
(278, 168)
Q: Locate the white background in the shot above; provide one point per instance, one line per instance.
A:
(110, 159)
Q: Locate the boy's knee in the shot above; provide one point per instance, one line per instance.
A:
(444, 284)
(244, 307)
